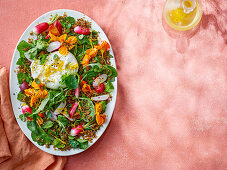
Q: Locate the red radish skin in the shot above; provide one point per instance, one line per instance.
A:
(73, 109)
(100, 88)
(58, 25)
(38, 29)
(76, 131)
(77, 92)
(26, 108)
(81, 30)
(24, 86)
(54, 46)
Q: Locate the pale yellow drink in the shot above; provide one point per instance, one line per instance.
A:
(182, 14)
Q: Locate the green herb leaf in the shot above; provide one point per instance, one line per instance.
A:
(103, 105)
(37, 81)
(55, 56)
(83, 143)
(109, 86)
(48, 124)
(22, 47)
(21, 97)
(21, 77)
(71, 82)
(74, 143)
(22, 117)
(43, 58)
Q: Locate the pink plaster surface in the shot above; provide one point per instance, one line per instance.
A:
(171, 110)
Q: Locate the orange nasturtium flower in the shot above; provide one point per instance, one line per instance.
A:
(100, 118)
(90, 53)
(36, 93)
(67, 44)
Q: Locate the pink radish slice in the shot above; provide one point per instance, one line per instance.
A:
(54, 117)
(100, 98)
(26, 108)
(62, 105)
(77, 92)
(54, 46)
(99, 80)
(76, 131)
(73, 109)
(24, 86)
(40, 28)
(81, 30)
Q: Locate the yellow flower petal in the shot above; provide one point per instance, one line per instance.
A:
(63, 50)
(53, 37)
(62, 38)
(71, 40)
(71, 47)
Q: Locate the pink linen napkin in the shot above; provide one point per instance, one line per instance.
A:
(16, 151)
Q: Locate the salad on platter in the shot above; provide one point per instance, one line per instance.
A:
(65, 78)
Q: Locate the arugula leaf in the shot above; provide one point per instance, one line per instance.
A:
(89, 104)
(22, 47)
(74, 143)
(109, 86)
(63, 120)
(48, 124)
(21, 97)
(23, 77)
(71, 82)
(58, 144)
(22, 117)
(111, 71)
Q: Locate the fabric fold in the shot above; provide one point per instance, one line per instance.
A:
(16, 151)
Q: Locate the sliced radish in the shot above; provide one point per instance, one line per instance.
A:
(26, 108)
(24, 86)
(40, 28)
(58, 25)
(100, 98)
(62, 105)
(81, 30)
(73, 109)
(54, 46)
(76, 131)
(77, 92)
(100, 88)
(54, 117)
(99, 80)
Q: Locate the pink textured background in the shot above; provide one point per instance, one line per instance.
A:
(171, 110)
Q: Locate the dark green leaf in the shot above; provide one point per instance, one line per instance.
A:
(37, 81)
(74, 143)
(71, 82)
(22, 117)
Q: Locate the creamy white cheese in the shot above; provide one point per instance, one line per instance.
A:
(54, 67)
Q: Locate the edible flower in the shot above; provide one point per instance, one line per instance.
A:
(86, 88)
(100, 118)
(67, 44)
(36, 93)
(90, 53)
